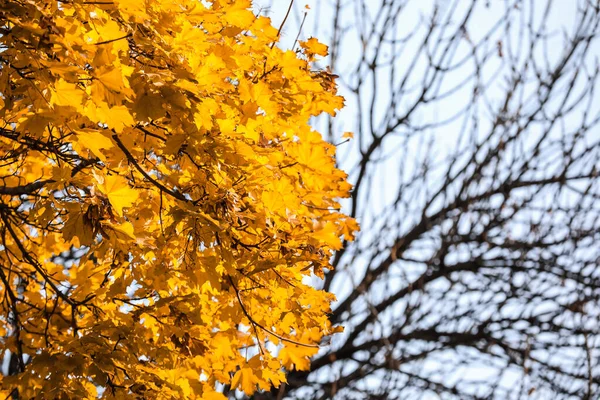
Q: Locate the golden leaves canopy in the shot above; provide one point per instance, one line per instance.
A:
(163, 199)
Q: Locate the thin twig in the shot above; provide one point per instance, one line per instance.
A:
(283, 339)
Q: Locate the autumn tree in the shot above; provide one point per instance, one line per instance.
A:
(476, 159)
(162, 200)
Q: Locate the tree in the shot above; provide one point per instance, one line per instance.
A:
(476, 273)
(163, 198)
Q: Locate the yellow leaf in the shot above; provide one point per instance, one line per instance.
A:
(212, 395)
(125, 228)
(90, 388)
(293, 356)
(134, 9)
(240, 18)
(61, 174)
(313, 47)
(120, 195)
(275, 375)
(329, 235)
(117, 117)
(94, 141)
(112, 78)
(244, 379)
(61, 69)
(77, 229)
(66, 94)
(206, 110)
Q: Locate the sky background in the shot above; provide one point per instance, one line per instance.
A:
(439, 141)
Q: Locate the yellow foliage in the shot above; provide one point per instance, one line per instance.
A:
(163, 198)
(117, 190)
(66, 94)
(313, 48)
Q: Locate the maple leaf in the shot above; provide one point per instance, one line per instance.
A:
(212, 395)
(119, 193)
(133, 9)
(78, 229)
(94, 141)
(117, 117)
(293, 356)
(313, 47)
(67, 94)
(329, 235)
(112, 78)
(245, 380)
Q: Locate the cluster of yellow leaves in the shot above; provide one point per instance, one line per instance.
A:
(165, 146)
